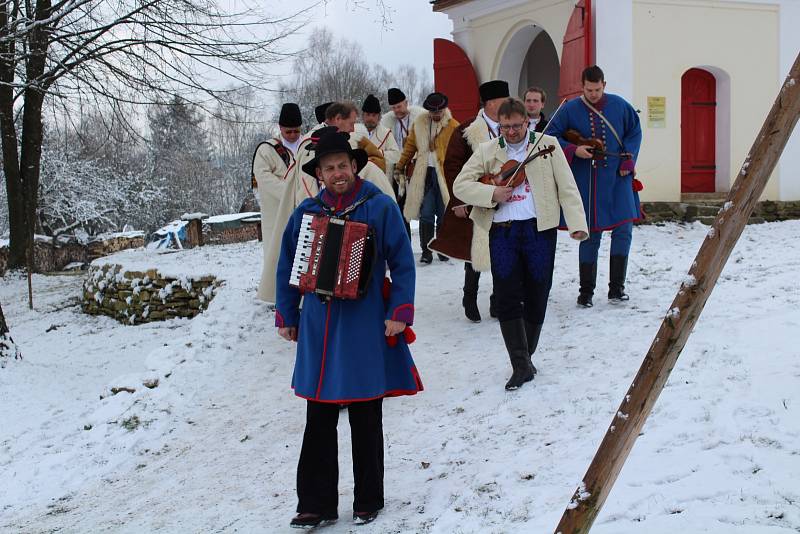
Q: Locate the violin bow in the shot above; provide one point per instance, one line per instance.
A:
(541, 136)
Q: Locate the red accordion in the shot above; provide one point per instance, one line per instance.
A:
(334, 257)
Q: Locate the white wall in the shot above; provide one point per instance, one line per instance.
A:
(613, 25)
(733, 40)
(790, 46)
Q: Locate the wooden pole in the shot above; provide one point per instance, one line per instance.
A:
(685, 310)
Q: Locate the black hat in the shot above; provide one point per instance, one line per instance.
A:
(493, 89)
(395, 96)
(435, 102)
(371, 105)
(332, 141)
(319, 111)
(290, 116)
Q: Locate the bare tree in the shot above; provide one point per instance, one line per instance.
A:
(92, 51)
(332, 70)
(8, 349)
(239, 125)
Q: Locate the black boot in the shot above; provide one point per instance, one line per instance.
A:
(517, 346)
(470, 300)
(588, 279)
(492, 307)
(425, 236)
(616, 279)
(532, 332)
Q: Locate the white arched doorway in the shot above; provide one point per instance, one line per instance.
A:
(529, 58)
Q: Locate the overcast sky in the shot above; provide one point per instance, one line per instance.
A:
(407, 39)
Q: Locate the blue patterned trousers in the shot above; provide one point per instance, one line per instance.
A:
(522, 269)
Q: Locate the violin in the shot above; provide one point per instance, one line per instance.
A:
(596, 146)
(512, 173)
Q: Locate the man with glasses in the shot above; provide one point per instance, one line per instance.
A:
(272, 162)
(518, 227)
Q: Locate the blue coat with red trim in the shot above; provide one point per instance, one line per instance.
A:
(342, 353)
(609, 199)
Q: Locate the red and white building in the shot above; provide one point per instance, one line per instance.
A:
(703, 73)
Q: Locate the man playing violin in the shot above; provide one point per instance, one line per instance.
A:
(601, 135)
(515, 218)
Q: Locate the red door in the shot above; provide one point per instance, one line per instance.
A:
(454, 76)
(698, 131)
(578, 50)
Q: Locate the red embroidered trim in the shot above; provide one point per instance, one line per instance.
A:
(392, 393)
(324, 352)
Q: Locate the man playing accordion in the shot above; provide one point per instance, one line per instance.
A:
(350, 351)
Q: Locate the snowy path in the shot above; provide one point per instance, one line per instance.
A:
(217, 446)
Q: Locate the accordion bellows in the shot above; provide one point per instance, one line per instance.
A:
(334, 257)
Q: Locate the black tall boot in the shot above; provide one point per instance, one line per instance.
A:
(425, 236)
(618, 268)
(532, 332)
(517, 346)
(492, 306)
(587, 273)
(470, 300)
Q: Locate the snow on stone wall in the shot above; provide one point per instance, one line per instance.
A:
(136, 297)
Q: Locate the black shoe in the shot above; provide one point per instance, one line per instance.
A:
(519, 377)
(307, 520)
(587, 273)
(471, 309)
(427, 257)
(618, 268)
(617, 295)
(516, 342)
(442, 257)
(362, 518)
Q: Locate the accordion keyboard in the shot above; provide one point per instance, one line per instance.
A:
(302, 254)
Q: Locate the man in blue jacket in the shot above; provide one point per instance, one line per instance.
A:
(605, 178)
(343, 352)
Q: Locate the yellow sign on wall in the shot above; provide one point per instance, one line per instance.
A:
(656, 111)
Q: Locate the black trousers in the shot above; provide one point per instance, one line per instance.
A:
(318, 469)
(522, 269)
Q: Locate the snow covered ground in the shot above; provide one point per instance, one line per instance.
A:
(214, 447)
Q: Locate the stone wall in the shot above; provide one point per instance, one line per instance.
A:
(225, 236)
(106, 245)
(51, 257)
(134, 297)
(706, 211)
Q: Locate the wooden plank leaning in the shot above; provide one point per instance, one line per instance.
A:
(685, 310)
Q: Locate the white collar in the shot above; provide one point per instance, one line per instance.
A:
(291, 146)
(493, 126)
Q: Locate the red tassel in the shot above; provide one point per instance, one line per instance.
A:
(637, 185)
(410, 335)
